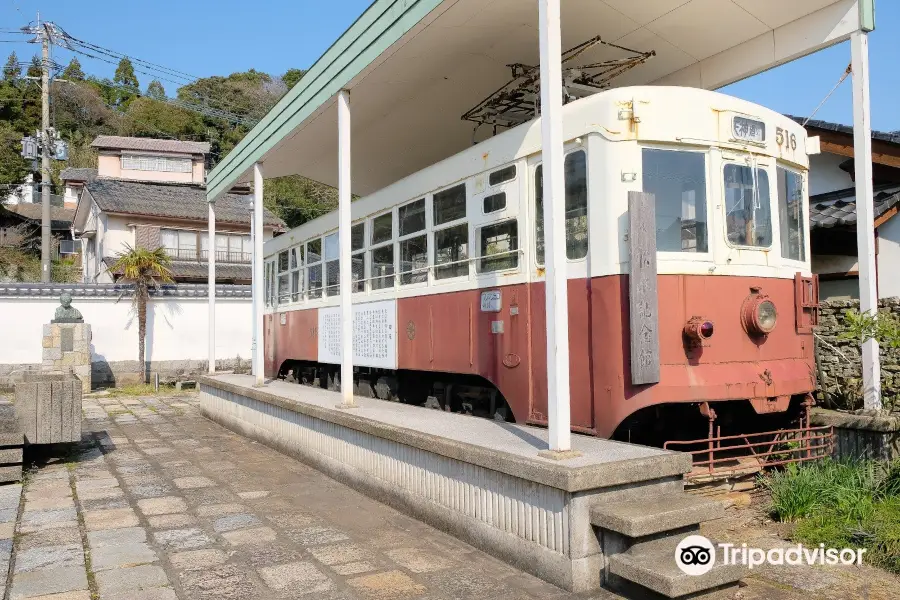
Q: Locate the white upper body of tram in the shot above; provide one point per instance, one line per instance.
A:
(729, 179)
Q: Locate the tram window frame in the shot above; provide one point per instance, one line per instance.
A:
(538, 215)
(461, 266)
(283, 285)
(358, 253)
(417, 276)
(687, 254)
(452, 194)
(762, 175)
(503, 178)
(486, 258)
(296, 266)
(382, 281)
(314, 266)
(401, 218)
(267, 282)
(501, 194)
(780, 171)
(331, 258)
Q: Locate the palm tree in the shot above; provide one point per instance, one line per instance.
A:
(144, 269)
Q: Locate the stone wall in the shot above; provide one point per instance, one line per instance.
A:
(839, 361)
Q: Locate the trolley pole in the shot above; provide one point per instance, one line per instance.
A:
(557, 306)
(44, 33)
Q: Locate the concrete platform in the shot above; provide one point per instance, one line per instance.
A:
(477, 479)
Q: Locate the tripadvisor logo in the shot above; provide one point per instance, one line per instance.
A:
(696, 555)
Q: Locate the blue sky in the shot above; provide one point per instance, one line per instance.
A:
(217, 37)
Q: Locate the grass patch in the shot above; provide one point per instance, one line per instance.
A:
(842, 504)
(145, 390)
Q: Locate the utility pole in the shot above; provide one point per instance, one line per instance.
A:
(44, 33)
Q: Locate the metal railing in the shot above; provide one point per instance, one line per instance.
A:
(222, 256)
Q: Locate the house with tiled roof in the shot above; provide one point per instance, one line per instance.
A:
(150, 193)
(832, 206)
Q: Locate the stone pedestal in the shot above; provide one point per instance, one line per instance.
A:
(67, 347)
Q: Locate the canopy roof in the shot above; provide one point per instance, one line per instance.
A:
(413, 67)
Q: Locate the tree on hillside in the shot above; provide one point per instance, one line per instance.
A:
(145, 270)
(292, 76)
(12, 70)
(297, 199)
(34, 69)
(156, 90)
(125, 78)
(73, 72)
(13, 168)
(146, 117)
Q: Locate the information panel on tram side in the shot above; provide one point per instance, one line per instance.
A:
(374, 334)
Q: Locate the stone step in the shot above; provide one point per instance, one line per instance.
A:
(648, 516)
(655, 569)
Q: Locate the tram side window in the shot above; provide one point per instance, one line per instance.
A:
(332, 265)
(296, 273)
(502, 176)
(284, 294)
(450, 205)
(414, 260)
(381, 258)
(677, 179)
(451, 245)
(499, 246)
(748, 209)
(790, 215)
(494, 202)
(412, 217)
(576, 208)
(314, 270)
(267, 282)
(358, 257)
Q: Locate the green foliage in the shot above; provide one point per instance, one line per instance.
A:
(842, 504)
(156, 90)
(298, 199)
(24, 266)
(12, 70)
(884, 327)
(34, 69)
(292, 76)
(13, 168)
(73, 72)
(148, 117)
(126, 78)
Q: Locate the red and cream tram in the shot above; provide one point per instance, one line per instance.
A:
(448, 282)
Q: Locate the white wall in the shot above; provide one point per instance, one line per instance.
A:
(176, 328)
(889, 258)
(825, 174)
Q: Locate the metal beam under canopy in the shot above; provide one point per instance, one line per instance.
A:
(415, 67)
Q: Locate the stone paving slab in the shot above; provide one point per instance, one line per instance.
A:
(172, 506)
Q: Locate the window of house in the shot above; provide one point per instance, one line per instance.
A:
(314, 268)
(576, 207)
(450, 204)
(494, 202)
(331, 256)
(499, 246)
(790, 214)
(502, 176)
(412, 217)
(677, 180)
(748, 209)
(229, 248)
(138, 162)
(179, 244)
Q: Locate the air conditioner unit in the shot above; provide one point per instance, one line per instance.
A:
(67, 247)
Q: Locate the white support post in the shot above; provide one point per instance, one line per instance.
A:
(344, 198)
(865, 218)
(558, 409)
(211, 245)
(254, 300)
(258, 359)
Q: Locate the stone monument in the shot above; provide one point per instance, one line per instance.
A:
(67, 343)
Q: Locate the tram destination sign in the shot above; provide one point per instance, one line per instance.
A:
(374, 334)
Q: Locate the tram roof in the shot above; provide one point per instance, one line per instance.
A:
(413, 67)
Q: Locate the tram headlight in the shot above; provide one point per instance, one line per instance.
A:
(759, 314)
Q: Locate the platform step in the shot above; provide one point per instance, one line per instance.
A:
(656, 570)
(648, 516)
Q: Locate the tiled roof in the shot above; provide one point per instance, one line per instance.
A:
(199, 270)
(842, 212)
(60, 218)
(171, 200)
(150, 144)
(75, 174)
(115, 290)
(892, 137)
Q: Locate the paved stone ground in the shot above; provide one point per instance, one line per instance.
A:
(162, 504)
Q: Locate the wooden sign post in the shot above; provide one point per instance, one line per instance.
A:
(642, 292)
